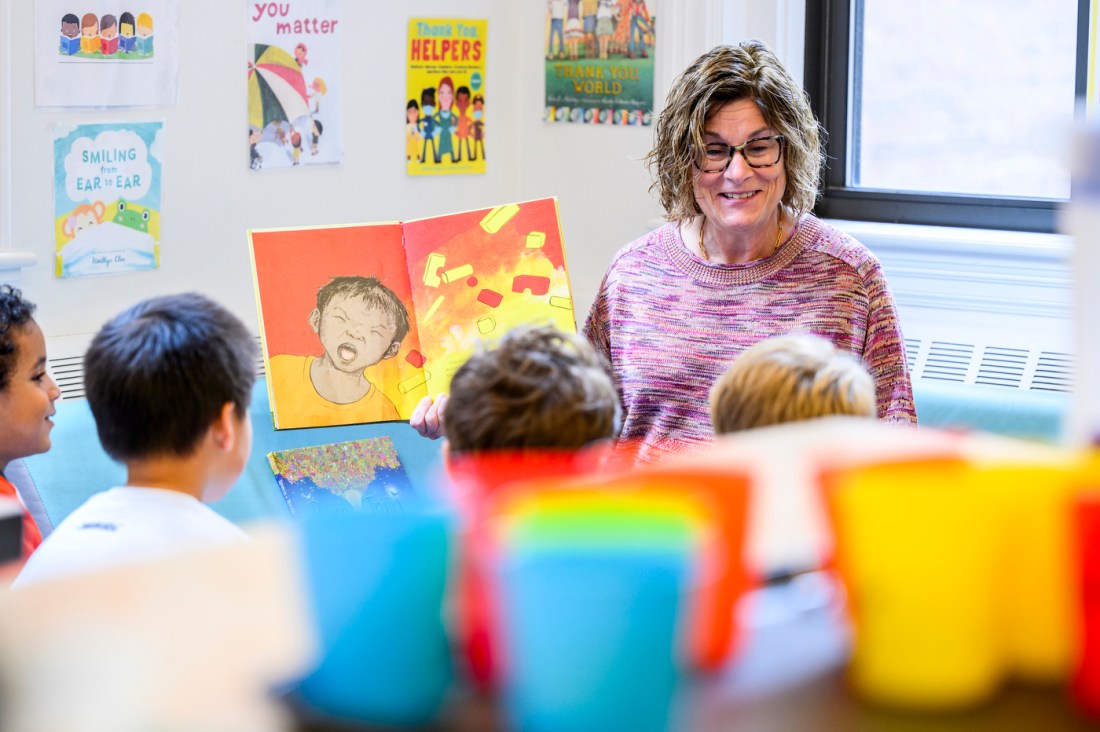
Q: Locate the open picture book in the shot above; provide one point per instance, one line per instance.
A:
(360, 322)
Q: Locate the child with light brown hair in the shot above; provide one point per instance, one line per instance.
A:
(790, 378)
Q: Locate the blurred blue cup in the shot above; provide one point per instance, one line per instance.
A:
(377, 583)
(589, 637)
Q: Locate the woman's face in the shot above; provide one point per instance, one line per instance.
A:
(740, 200)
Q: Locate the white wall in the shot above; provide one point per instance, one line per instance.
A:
(211, 197)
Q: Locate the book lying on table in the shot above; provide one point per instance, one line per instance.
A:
(360, 322)
(342, 476)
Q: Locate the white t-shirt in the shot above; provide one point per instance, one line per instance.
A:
(125, 525)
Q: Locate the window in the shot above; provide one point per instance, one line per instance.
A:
(947, 112)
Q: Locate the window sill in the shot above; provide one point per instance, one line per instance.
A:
(975, 270)
(12, 264)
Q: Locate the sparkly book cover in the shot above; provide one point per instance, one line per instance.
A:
(362, 475)
(360, 322)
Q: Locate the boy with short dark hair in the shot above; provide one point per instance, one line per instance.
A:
(27, 396)
(359, 322)
(168, 382)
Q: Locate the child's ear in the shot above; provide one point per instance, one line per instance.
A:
(445, 450)
(315, 320)
(392, 350)
(226, 427)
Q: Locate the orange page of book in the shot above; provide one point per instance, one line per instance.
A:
(290, 266)
(477, 274)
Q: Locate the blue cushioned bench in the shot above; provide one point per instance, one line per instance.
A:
(55, 483)
(1034, 415)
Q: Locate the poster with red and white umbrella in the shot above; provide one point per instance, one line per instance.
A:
(294, 115)
(276, 87)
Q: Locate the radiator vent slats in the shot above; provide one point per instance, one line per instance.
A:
(68, 372)
(1002, 366)
(1053, 372)
(912, 352)
(948, 361)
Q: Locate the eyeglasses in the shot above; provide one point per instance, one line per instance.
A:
(759, 152)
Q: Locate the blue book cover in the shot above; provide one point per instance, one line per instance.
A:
(364, 475)
(69, 46)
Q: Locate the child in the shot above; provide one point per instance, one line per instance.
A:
(412, 130)
(524, 407)
(538, 387)
(295, 145)
(27, 396)
(787, 379)
(169, 382)
(359, 322)
(315, 130)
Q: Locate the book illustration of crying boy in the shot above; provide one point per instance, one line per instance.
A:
(359, 322)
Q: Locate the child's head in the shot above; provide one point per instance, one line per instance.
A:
(89, 24)
(108, 26)
(160, 374)
(412, 111)
(27, 392)
(538, 387)
(70, 25)
(360, 321)
(790, 378)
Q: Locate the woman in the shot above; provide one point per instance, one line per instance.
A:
(737, 158)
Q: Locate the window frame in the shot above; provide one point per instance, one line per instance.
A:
(829, 31)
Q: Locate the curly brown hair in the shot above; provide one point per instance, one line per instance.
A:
(724, 74)
(538, 388)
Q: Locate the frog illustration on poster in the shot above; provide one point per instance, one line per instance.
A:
(107, 197)
(294, 63)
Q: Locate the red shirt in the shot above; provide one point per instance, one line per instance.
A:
(32, 537)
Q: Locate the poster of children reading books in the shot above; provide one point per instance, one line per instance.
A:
(102, 53)
(360, 322)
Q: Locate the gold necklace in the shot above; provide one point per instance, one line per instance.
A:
(703, 249)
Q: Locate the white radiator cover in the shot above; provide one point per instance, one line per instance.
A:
(65, 360)
(980, 307)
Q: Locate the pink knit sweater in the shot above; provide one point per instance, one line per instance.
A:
(671, 323)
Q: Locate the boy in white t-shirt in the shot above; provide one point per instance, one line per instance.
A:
(169, 382)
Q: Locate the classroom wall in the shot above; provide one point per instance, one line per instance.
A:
(211, 197)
